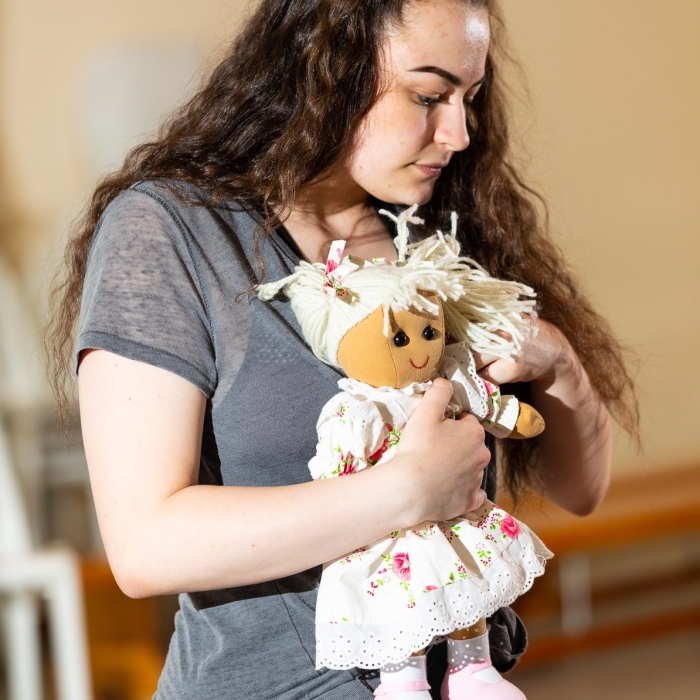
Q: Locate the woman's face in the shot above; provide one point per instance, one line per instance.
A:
(433, 66)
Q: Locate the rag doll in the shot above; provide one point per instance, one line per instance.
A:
(392, 327)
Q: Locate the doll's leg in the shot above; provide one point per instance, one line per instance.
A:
(405, 680)
(470, 674)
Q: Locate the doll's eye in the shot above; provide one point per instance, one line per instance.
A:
(429, 333)
(400, 339)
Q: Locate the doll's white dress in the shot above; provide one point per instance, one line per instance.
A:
(397, 595)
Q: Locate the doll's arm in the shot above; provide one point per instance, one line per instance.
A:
(575, 452)
(501, 415)
(350, 433)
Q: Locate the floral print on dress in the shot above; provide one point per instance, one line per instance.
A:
(347, 464)
(391, 440)
(424, 532)
(497, 520)
(494, 400)
(401, 566)
(357, 554)
(458, 573)
(397, 571)
(509, 527)
(406, 576)
(449, 531)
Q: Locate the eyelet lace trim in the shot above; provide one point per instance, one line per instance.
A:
(459, 605)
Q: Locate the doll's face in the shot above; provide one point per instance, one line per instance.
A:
(412, 352)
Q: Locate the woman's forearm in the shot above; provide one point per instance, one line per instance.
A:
(576, 446)
(209, 537)
(164, 533)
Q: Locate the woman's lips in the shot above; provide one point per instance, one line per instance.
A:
(419, 366)
(430, 170)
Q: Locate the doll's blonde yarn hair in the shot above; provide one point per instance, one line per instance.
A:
(493, 316)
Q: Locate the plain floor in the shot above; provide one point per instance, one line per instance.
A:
(663, 668)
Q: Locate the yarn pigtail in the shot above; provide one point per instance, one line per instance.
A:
(402, 221)
(306, 274)
(494, 316)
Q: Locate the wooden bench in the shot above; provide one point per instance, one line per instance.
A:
(126, 646)
(644, 508)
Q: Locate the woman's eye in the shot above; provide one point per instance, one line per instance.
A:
(400, 339)
(427, 101)
(429, 333)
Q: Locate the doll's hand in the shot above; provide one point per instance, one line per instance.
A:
(545, 353)
(446, 458)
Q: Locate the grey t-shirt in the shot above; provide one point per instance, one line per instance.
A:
(166, 284)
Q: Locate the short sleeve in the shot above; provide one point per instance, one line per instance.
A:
(142, 297)
(350, 434)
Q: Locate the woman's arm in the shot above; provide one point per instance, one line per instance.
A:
(163, 533)
(576, 447)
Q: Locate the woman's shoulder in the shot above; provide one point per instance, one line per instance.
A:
(153, 215)
(179, 200)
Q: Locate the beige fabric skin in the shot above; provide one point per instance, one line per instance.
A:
(366, 354)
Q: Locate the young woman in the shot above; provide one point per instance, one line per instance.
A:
(198, 402)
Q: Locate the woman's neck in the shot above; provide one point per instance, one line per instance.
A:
(337, 208)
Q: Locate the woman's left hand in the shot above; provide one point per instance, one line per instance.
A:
(545, 354)
(576, 446)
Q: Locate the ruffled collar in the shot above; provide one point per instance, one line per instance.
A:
(358, 388)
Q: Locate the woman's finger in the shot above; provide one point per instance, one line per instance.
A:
(483, 360)
(435, 400)
(500, 371)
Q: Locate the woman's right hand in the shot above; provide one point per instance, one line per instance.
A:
(446, 458)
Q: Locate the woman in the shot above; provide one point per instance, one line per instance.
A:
(198, 402)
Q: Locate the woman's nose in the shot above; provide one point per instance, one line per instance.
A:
(452, 128)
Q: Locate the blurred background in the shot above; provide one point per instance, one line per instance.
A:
(608, 133)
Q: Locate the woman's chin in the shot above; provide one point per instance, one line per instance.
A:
(410, 196)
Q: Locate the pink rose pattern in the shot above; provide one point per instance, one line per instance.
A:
(498, 529)
(396, 569)
(391, 440)
(494, 399)
(401, 566)
(509, 527)
(347, 464)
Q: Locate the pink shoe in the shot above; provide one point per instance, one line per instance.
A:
(387, 689)
(462, 684)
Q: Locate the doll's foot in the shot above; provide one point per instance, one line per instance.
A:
(479, 680)
(470, 675)
(529, 424)
(403, 690)
(405, 680)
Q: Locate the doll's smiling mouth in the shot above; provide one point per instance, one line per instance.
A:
(419, 366)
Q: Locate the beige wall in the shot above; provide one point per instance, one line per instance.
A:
(612, 131)
(616, 147)
(45, 49)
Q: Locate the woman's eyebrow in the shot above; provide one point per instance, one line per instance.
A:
(449, 77)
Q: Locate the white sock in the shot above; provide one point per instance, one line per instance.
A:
(464, 652)
(410, 669)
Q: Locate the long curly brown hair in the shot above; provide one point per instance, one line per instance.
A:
(280, 111)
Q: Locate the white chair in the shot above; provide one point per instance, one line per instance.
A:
(28, 575)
